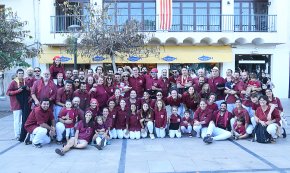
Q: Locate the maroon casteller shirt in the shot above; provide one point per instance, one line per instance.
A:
(36, 117)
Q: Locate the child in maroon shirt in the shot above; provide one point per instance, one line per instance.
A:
(253, 85)
(174, 124)
(69, 119)
(240, 129)
(186, 124)
(101, 133)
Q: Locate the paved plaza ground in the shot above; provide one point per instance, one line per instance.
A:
(145, 155)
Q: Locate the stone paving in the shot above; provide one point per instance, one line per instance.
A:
(146, 155)
(4, 107)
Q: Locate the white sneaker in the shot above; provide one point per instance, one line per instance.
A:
(152, 136)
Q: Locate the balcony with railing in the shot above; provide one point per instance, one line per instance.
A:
(180, 23)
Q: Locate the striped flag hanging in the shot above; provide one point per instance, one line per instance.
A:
(165, 14)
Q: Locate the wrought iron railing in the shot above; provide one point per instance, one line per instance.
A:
(180, 23)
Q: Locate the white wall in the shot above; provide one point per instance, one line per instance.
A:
(280, 71)
(27, 10)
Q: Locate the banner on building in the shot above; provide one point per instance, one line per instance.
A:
(165, 14)
(168, 55)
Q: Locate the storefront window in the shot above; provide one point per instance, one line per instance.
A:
(254, 63)
(194, 67)
(108, 66)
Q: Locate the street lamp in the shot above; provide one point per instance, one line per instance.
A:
(74, 30)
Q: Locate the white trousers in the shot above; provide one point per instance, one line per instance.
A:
(39, 136)
(249, 129)
(113, 133)
(217, 133)
(173, 133)
(160, 133)
(187, 129)
(122, 134)
(200, 131)
(272, 130)
(149, 127)
(99, 139)
(135, 134)
(17, 123)
(59, 128)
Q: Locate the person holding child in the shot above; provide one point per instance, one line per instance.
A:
(239, 111)
(68, 118)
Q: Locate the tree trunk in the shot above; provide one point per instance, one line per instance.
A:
(113, 58)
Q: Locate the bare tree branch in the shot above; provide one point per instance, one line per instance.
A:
(104, 37)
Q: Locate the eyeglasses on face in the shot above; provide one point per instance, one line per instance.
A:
(159, 95)
(36, 70)
(76, 81)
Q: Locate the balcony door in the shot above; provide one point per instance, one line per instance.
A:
(196, 15)
(251, 15)
(65, 17)
(123, 10)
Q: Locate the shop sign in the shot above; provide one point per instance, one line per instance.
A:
(134, 58)
(98, 58)
(204, 58)
(65, 59)
(169, 58)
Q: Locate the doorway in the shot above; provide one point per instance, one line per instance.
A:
(253, 63)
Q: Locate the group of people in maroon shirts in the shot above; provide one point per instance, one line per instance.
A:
(78, 108)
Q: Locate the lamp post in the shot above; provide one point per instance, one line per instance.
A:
(74, 30)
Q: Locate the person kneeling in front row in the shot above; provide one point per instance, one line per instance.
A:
(40, 125)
